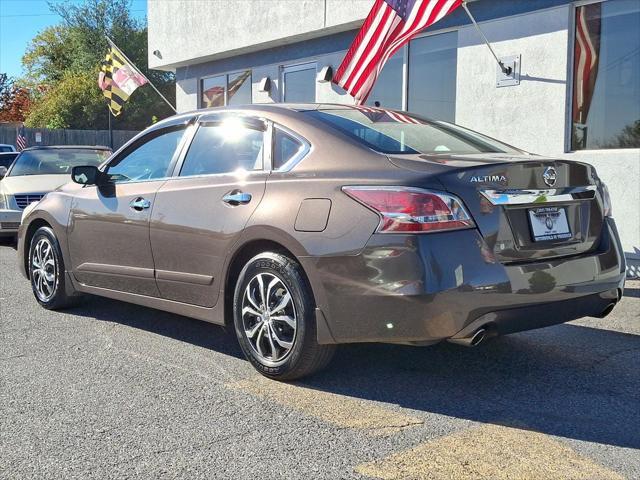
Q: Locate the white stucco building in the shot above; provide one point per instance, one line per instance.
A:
(222, 52)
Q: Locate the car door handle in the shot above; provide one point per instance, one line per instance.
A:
(237, 198)
(140, 204)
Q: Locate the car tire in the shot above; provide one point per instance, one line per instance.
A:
(274, 318)
(46, 270)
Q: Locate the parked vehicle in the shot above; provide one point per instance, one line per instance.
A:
(5, 147)
(307, 226)
(37, 171)
(6, 159)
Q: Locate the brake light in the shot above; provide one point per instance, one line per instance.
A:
(408, 209)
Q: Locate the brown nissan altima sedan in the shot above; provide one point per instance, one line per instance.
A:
(307, 226)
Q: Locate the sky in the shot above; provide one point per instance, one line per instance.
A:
(21, 20)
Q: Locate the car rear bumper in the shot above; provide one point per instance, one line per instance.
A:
(426, 288)
(10, 221)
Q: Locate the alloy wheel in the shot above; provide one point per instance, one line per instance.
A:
(269, 318)
(43, 269)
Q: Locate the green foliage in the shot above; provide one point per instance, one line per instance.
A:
(66, 59)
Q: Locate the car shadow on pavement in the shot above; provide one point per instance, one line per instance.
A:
(184, 329)
(567, 380)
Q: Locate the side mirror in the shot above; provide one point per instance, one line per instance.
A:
(87, 175)
(3, 172)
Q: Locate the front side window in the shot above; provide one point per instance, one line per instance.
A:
(55, 161)
(285, 148)
(147, 161)
(232, 89)
(606, 83)
(395, 133)
(224, 147)
(432, 76)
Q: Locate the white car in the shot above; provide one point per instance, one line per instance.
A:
(34, 173)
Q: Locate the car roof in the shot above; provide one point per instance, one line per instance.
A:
(64, 147)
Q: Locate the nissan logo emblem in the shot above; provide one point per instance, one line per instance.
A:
(550, 176)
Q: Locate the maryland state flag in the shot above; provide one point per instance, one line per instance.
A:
(118, 79)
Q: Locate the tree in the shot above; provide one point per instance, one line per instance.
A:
(67, 57)
(15, 100)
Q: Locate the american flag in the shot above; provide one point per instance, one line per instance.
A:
(389, 26)
(587, 50)
(21, 139)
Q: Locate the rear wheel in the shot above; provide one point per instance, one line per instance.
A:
(274, 318)
(46, 270)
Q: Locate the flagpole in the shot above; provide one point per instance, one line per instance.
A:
(138, 70)
(110, 130)
(505, 70)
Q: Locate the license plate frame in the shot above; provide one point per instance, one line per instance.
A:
(549, 224)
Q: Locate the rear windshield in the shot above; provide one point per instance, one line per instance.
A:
(7, 158)
(400, 133)
(55, 161)
(5, 148)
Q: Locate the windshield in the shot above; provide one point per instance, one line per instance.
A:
(55, 161)
(400, 133)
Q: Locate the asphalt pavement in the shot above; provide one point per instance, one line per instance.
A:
(112, 390)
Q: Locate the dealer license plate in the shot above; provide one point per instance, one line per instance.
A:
(549, 223)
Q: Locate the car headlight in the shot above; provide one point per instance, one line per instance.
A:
(4, 201)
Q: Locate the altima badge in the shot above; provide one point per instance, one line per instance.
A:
(550, 176)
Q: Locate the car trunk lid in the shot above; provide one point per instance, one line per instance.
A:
(526, 207)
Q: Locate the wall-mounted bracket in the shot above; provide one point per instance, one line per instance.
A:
(508, 71)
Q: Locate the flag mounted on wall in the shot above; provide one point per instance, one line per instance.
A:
(387, 28)
(118, 79)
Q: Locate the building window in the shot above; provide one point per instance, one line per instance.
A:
(231, 89)
(387, 91)
(606, 84)
(432, 76)
(299, 83)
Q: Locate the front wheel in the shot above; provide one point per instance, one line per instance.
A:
(274, 318)
(46, 270)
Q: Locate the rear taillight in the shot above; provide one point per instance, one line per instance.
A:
(408, 209)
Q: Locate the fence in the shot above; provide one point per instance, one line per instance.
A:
(66, 136)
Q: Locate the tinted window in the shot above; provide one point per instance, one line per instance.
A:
(239, 88)
(284, 149)
(232, 89)
(388, 88)
(224, 148)
(5, 148)
(213, 91)
(7, 158)
(55, 161)
(148, 161)
(300, 85)
(394, 132)
(432, 76)
(606, 83)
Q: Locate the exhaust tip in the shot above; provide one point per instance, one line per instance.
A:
(471, 341)
(478, 337)
(608, 309)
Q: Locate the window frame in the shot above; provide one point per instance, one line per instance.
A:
(571, 46)
(218, 117)
(300, 155)
(226, 85)
(297, 67)
(144, 139)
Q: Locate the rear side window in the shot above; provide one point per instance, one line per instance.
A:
(224, 148)
(285, 148)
